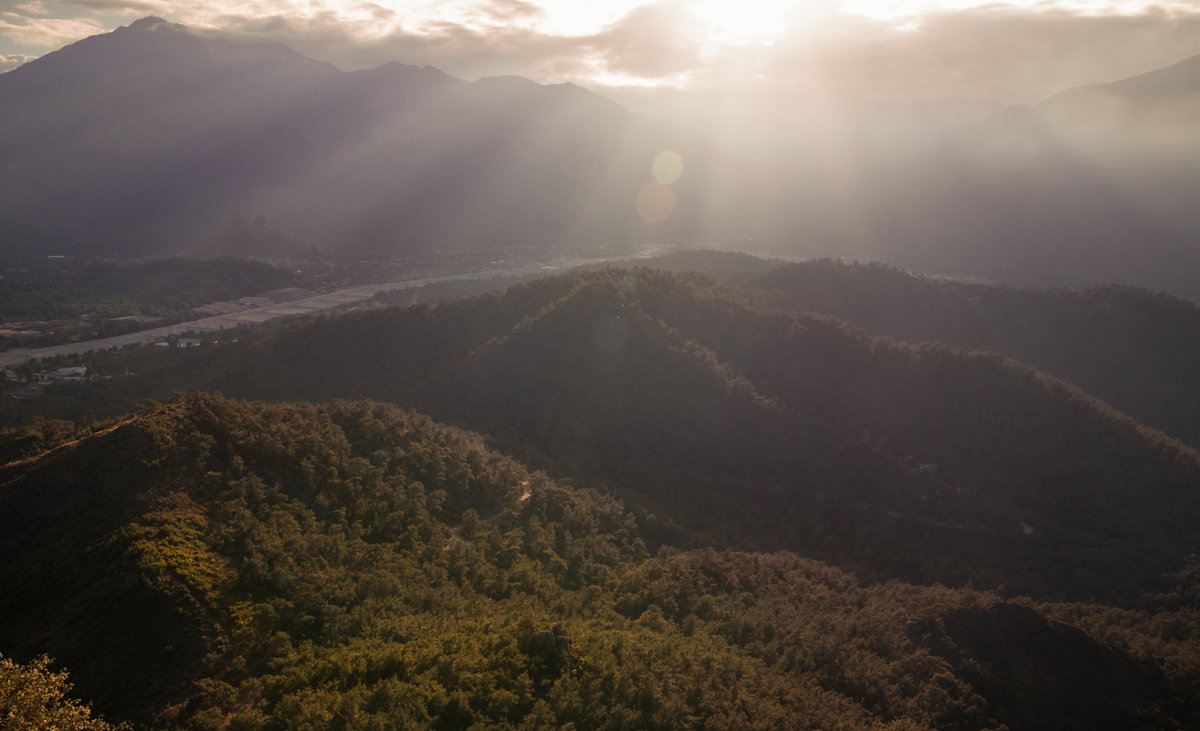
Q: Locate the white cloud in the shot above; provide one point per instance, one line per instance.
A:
(1015, 51)
(999, 53)
(10, 62)
(48, 33)
(652, 41)
(127, 6)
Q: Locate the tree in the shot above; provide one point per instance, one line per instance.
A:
(33, 697)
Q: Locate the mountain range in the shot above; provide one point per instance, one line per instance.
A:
(153, 139)
(1092, 185)
(155, 134)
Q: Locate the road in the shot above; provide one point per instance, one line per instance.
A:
(299, 308)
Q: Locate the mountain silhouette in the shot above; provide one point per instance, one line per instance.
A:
(160, 135)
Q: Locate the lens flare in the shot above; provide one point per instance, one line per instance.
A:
(667, 167)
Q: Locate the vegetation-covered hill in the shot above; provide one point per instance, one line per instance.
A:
(1135, 349)
(211, 563)
(725, 424)
(1130, 347)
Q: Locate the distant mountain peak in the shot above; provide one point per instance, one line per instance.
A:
(155, 24)
(507, 82)
(1163, 84)
(395, 69)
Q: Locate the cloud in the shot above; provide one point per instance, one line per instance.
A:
(31, 7)
(10, 62)
(49, 33)
(1020, 51)
(652, 41)
(511, 11)
(131, 6)
(996, 52)
(492, 38)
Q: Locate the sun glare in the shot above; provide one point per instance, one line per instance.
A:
(742, 21)
(891, 10)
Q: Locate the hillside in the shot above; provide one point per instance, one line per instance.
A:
(1132, 348)
(235, 564)
(723, 423)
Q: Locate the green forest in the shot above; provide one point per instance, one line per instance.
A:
(622, 498)
(355, 565)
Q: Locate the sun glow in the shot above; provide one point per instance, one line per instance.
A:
(742, 21)
(890, 10)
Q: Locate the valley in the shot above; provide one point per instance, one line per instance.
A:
(266, 312)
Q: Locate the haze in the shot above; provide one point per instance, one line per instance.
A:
(1048, 143)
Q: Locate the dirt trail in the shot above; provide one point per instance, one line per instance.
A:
(70, 444)
(526, 493)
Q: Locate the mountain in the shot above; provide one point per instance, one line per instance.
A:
(155, 136)
(1092, 185)
(213, 563)
(1161, 105)
(725, 422)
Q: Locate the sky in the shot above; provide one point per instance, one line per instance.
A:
(1007, 52)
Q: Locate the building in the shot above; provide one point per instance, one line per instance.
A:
(74, 373)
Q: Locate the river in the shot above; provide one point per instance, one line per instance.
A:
(298, 308)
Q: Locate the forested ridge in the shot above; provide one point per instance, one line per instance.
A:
(212, 563)
(1133, 348)
(725, 422)
(737, 425)
(715, 511)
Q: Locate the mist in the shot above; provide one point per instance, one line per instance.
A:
(154, 137)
